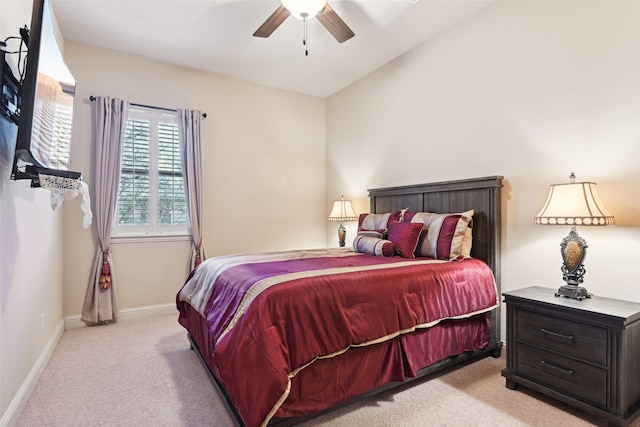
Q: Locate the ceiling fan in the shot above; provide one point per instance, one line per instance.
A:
(305, 10)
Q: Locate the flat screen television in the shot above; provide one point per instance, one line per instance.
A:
(47, 92)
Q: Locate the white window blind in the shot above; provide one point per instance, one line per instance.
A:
(151, 198)
(51, 128)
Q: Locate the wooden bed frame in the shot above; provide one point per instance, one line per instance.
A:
(481, 194)
(484, 195)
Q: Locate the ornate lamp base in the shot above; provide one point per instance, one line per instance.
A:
(342, 233)
(573, 292)
(574, 250)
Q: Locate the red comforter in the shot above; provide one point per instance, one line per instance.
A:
(269, 316)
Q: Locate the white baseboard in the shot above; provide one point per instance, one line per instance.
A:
(71, 322)
(19, 401)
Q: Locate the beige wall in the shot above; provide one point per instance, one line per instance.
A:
(30, 259)
(264, 171)
(528, 90)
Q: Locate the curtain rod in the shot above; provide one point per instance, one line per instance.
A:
(93, 98)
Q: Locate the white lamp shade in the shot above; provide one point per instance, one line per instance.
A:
(304, 9)
(575, 203)
(342, 211)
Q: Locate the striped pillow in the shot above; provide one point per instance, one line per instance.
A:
(373, 246)
(378, 222)
(444, 234)
(379, 234)
(369, 221)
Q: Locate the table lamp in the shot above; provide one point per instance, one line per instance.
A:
(342, 211)
(573, 203)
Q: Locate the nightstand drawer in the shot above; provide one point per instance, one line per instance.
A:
(577, 378)
(576, 339)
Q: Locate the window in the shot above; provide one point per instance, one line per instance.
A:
(151, 198)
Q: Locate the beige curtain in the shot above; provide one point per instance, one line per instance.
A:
(191, 156)
(109, 120)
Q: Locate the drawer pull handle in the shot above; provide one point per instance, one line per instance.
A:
(558, 368)
(555, 334)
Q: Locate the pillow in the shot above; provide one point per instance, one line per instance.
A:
(444, 235)
(378, 234)
(467, 241)
(401, 213)
(369, 221)
(373, 246)
(378, 222)
(404, 236)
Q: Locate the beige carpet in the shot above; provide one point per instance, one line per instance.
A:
(142, 373)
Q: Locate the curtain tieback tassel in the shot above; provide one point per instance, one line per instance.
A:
(197, 260)
(105, 277)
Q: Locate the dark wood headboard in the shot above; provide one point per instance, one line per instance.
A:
(483, 195)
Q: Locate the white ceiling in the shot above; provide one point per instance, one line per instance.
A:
(216, 36)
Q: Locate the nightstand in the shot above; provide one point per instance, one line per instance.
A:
(584, 353)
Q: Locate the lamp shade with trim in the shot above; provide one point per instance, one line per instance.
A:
(576, 203)
(342, 211)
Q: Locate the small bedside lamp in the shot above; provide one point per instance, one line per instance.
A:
(342, 211)
(575, 203)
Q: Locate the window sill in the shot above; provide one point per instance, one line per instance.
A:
(149, 238)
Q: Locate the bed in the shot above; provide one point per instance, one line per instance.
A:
(288, 335)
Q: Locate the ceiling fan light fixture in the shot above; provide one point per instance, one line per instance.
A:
(304, 9)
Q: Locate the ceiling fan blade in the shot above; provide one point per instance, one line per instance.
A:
(336, 26)
(272, 22)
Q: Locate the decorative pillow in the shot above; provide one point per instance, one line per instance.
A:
(378, 234)
(401, 214)
(404, 236)
(467, 241)
(444, 235)
(379, 222)
(373, 246)
(408, 216)
(369, 221)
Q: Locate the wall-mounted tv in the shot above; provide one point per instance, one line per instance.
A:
(46, 104)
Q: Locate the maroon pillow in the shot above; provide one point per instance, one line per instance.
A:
(408, 216)
(404, 236)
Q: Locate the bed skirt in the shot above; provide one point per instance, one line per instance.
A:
(328, 382)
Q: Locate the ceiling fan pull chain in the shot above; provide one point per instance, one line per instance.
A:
(304, 38)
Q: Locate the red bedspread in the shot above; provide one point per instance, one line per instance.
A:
(270, 316)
